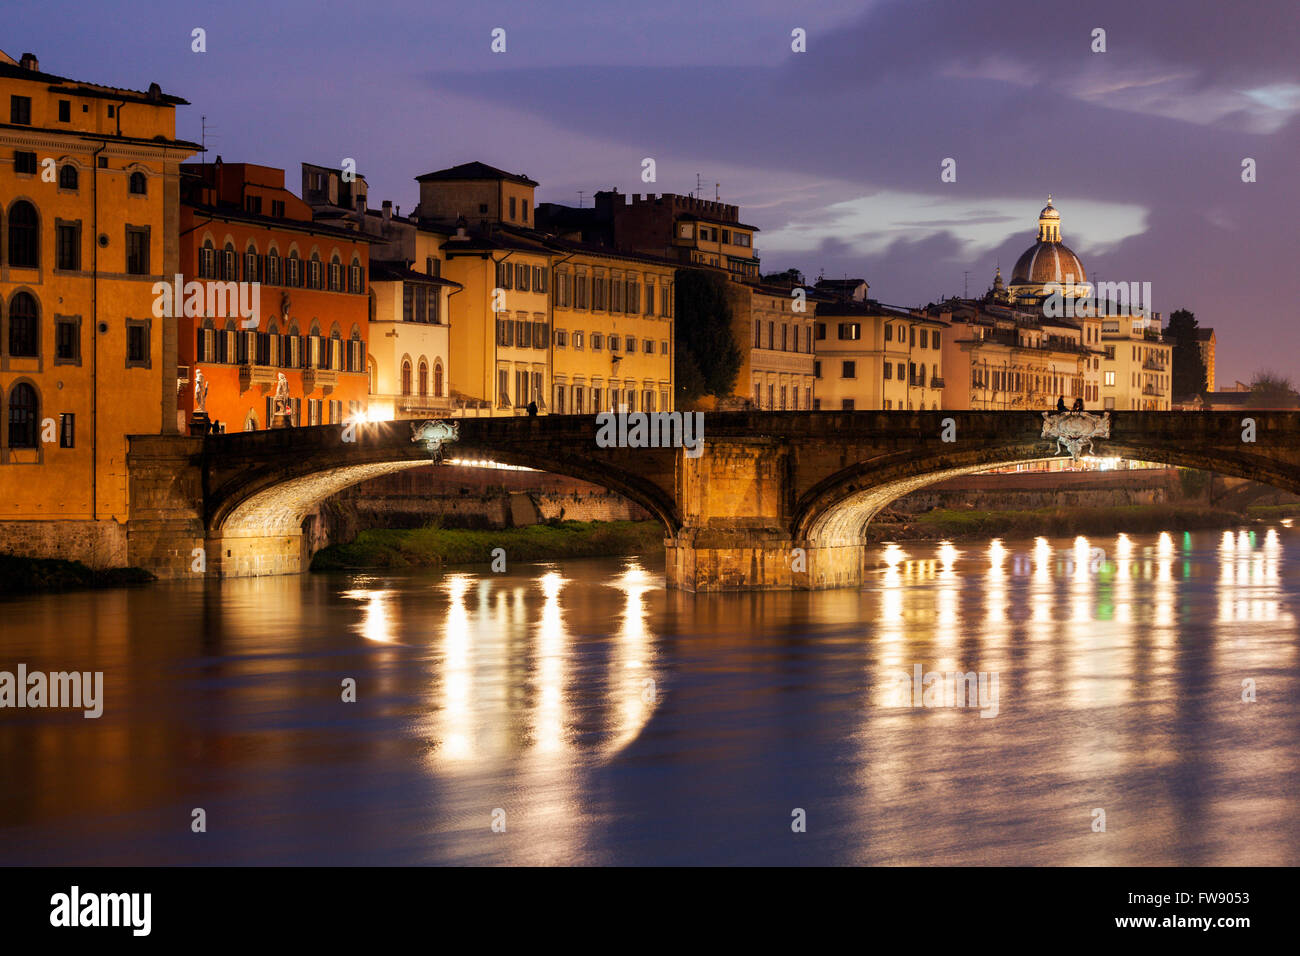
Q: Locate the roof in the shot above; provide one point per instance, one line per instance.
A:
(382, 270)
(1204, 335)
(729, 223)
(17, 72)
(474, 170)
(238, 214)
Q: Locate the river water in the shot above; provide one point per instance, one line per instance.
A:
(579, 713)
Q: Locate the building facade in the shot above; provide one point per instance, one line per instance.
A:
(89, 180)
(871, 356)
(243, 232)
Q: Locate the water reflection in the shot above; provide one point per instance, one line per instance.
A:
(612, 720)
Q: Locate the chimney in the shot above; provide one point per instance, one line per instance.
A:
(29, 62)
(388, 210)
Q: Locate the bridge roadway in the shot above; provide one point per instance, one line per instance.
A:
(775, 499)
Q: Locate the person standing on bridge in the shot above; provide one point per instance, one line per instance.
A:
(532, 409)
(1060, 404)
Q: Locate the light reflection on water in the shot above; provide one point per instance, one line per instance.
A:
(612, 720)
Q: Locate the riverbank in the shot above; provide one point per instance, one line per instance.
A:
(436, 547)
(19, 575)
(965, 524)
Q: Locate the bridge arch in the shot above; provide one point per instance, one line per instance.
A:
(273, 498)
(836, 511)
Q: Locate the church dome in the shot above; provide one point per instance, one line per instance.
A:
(1049, 259)
(1048, 262)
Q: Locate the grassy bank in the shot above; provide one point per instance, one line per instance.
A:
(1054, 522)
(433, 547)
(28, 575)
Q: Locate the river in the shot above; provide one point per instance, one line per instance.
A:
(582, 714)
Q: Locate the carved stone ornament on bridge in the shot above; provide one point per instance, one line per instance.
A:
(434, 434)
(281, 395)
(200, 392)
(1074, 430)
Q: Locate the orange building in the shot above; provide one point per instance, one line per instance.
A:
(88, 220)
(266, 291)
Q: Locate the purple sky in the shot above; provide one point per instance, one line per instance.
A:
(834, 153)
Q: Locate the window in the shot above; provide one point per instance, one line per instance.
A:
(336, 275)
(67, 341)
(67, 430)
(65, 111)
(68, 176)
(561, 338)
(253, 205)
(925, 338)
(649, 300)
(228, 265)
(850, 331)
(663, 346)
(67, 245)
(912, 337)
(597, 341)
(24, 326)
(1110, 378)
(23, 415)
(406, 377)
(821, 331)
(20, 110)
(817, 369)
(251, 271)
(293, 271)
(577, 340)
(137, 250)
(934, 339)
(137, 343)
(613, 343)
(315, 277)
(422, 383)
(901, 373)
(24, 162)
(24, 242)
(512, 207)
(889, 368)
(523, 205)
(848, 370)
(277, 208)
(846, 404)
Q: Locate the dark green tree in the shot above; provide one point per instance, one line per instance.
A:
(707, 356)
(1271, 390)
(1188, 373)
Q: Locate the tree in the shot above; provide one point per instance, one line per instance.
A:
(707, 356)
(790, 277)
(1271, 390)
(1188, 372)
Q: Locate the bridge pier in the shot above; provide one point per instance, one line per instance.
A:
(717, 560)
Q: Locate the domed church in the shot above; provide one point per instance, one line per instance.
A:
(1048, 261)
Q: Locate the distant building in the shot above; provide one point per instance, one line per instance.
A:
(1205, 339)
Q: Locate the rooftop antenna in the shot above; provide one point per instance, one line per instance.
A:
(965, 284)
(580, 192)
(716, 187)
(698, 186)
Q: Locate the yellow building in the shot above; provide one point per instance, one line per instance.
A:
(1137, 369)
(89, 177)
(774, 329)
(871, 356)
(1206, 341)
(613, 341)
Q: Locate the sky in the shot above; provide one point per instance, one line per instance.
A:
(835, 153)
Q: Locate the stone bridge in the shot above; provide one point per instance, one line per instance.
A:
(765, 485)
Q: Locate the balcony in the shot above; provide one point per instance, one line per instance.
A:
(250, 375)
(1151, 390)
(416, 405)
(1152, 365)
(936, 382)
(314, 378)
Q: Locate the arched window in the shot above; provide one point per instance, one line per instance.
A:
(336, 275)
(273, 275)
(314, 273)
(354, 276)
(251, 271)
(424, 377)
(406, 377)
(437, 380)
(23, 415)
(67, 176)
(229, 265)
(24, 237)
(24, 326)
(138, 185)
(207, 260)
(293, 270)
(922, 381)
